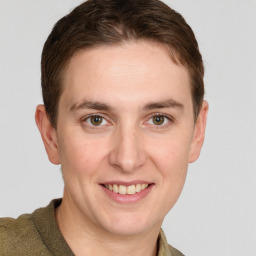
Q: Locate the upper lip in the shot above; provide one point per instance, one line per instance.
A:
(125, 183)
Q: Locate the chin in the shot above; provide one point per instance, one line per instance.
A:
(131, 224)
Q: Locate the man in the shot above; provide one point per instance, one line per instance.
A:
(123, 115)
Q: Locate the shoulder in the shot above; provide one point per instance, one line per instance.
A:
(14, 229)
(19, 236)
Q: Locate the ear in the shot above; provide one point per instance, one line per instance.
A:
(199, 133)
(48, 134)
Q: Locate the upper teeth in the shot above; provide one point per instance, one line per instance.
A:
(124, 190)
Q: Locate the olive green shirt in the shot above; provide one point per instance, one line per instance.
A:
(38, 234)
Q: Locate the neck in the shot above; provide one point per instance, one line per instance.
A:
(86, 238)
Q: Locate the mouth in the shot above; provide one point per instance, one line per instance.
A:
(126, 190)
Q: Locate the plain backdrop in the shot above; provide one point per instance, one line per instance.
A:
(216, 213)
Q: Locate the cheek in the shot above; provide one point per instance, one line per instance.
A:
(173, 165)
(171, 154)
(170, 159)
(80, 155)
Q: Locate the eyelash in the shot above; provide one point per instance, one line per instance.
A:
(169, 120)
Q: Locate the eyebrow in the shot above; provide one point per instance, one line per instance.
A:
(170, 103)
(91, 105)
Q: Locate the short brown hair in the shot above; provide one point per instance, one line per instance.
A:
(110, 22)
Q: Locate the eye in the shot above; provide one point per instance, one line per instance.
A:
(95, 120)
(159, 120)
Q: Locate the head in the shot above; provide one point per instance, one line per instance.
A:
(123, 91)
(103, 22)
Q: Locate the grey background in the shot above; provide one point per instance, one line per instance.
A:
(216, 213)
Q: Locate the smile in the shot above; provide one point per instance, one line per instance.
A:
(126, 190)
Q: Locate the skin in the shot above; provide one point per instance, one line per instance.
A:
(127, 146)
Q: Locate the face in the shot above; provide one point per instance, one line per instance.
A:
(125, 135)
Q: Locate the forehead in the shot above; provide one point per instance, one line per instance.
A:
(129, 72)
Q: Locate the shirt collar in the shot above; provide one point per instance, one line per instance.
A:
(163, 247)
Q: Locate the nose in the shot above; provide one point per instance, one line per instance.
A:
(127, 153)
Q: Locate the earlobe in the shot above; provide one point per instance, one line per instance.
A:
(48, 134)
(199, 133)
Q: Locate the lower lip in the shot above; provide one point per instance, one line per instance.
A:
(119, 198)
